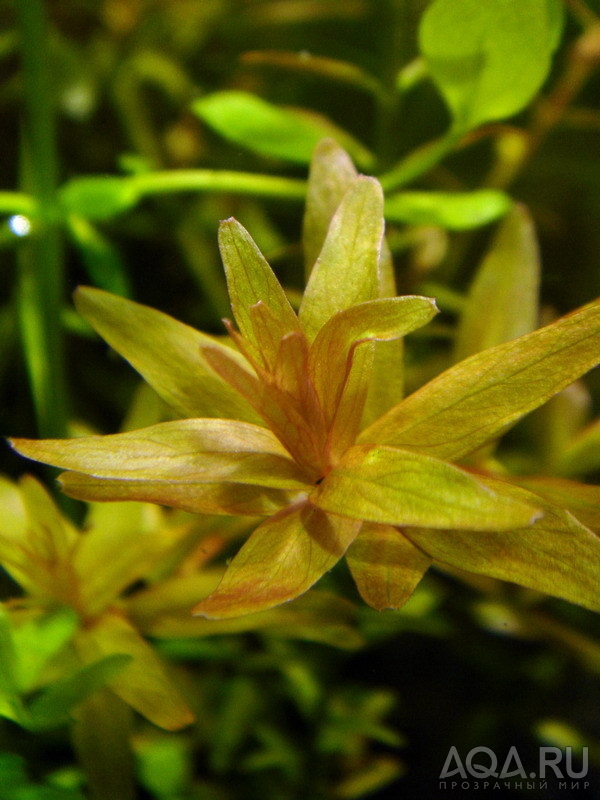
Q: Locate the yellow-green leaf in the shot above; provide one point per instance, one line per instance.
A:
(283, 558)
(250, 281)
(166, 353)
(347, 269)
(385, 565)
(581, 499)
(556, 555)
(386, 387)
(143, 683)
(279, 409)
(381, 319)
(478, 399)
(503, 299)
(399, 487)
(50, 535)
(199, 498)
(121, 544)
(331, 175)
(182, 451)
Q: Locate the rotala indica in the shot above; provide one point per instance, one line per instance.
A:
(297, 418)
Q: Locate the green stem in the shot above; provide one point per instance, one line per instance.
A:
(208, 180)
(40, 259)
(17, 203)
(419, 161)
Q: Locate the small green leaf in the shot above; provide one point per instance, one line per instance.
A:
(269, 130)
(453, 210)
(163, 765)
(166, 353)
(39, 638)
(283, 558)
(503, 299)
(347, 270)
(98, 197)
(397, 487)
(488, 59)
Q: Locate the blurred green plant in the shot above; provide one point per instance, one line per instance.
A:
(73, 647)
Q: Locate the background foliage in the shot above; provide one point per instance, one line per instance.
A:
(130, 128)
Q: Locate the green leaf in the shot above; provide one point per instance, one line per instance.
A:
(489, 59)
(190, 451)
(385, 565)
(480, 398)
(122, 542)
(397, 487)
(52, 707)
(503, 299)
(270, 130)
(331, 175)
(37, 639)
(556, 555)
(166, 353)
(98, 197)
(453, 210)
(143, 682)
(251, 281)
(163, 765)
(283, 558)
(347, 270)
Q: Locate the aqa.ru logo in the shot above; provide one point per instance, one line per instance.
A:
(482, 763)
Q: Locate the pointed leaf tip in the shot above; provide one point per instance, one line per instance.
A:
(347, 269)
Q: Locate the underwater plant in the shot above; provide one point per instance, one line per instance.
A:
(299, 418)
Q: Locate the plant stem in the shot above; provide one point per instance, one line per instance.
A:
(17, 203)
(208, 180)
(419, 161)
(40, 258)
